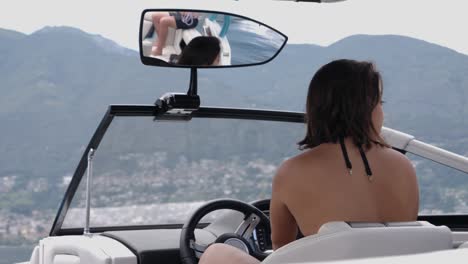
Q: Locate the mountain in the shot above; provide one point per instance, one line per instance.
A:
(56, 84)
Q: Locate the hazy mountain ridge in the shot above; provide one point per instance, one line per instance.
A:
(57, 82)
(102, 42)
(8, 37)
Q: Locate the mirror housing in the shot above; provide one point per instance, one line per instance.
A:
(188, 38)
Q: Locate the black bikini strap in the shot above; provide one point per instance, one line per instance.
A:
(348, 162)
(346, 157)
(366, 162)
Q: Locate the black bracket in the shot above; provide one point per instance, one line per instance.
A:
(179, 106)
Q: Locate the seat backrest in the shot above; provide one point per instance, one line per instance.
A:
(186, 35)
(341, 240)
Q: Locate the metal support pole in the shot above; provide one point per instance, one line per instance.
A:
(88, 190)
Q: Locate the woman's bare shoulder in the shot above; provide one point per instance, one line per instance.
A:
(395, 158)
(296, 165)
(398, 168)
(305, 158)
(403, 178)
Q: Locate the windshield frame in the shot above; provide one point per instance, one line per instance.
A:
(458, 222)
(145, 111)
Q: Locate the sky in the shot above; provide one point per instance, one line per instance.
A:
(440, 22)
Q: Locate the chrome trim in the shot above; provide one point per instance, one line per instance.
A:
(88, 190)
(408, 143)
(438, 155)
(247, 227)
(237, 243)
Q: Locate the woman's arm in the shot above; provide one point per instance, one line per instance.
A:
(283, 224)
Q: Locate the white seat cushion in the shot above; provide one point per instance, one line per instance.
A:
(443, 256)
(340, 240)
(464, 245)
(93, 249)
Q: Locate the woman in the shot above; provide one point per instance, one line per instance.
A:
(163, 20)
(201, 51)
(346, 172)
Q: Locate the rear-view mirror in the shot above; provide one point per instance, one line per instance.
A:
(205, 39)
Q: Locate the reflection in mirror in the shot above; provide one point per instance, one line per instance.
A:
(206, 39)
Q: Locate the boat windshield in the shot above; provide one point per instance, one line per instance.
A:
(158, 173)
(151, 173)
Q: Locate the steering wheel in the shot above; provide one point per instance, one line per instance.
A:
(190, 250)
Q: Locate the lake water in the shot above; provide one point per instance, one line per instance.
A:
(252, 43)
(9, 255)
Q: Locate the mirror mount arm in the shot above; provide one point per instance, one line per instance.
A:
(193, 86)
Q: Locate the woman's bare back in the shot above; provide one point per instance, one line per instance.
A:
(315, 187)
(344, 103)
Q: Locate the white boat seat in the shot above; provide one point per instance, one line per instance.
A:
(188, 34)
(341, 240)
(442, 256)
(81, 249)
(464, 245)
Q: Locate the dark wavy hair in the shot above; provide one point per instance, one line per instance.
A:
(342, 96)
(201, 51)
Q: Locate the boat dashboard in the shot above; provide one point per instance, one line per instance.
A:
(153, 244)
(162, 245)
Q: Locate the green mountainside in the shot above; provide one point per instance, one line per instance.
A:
(56, 84)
